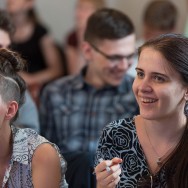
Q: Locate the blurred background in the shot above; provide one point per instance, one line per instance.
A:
(59, 14)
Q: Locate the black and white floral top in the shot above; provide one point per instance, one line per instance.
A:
(19, 173)
(119, 139)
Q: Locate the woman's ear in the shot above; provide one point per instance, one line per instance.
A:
(12, 108)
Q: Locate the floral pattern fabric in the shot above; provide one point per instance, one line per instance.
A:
(119, 139)
(19, 173)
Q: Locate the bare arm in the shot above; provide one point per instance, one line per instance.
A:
(46, 168)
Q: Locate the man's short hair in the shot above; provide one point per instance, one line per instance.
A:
(161, 15)
(109, 24)
(6, 23)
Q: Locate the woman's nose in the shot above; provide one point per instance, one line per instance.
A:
(145, 85)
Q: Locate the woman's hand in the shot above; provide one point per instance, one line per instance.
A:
(108, 179)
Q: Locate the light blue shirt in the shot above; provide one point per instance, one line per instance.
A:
(28, 115)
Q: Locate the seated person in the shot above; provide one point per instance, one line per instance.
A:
(150, 149)
(25, 157)
(28, 115)
(75, 109)
(73, 49)
(159, 17)
(33, 41)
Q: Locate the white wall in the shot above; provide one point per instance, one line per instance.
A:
(135, 8)
(58, 14)
(2, 2)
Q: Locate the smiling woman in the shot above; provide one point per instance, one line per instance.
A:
(154, 151)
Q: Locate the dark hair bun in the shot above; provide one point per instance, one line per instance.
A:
(10, 62)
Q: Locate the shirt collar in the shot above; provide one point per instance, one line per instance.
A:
(80, 82)
(20, 146)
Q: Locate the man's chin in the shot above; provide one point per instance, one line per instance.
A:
(115, 82)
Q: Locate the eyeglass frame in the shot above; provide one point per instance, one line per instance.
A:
(114, 58)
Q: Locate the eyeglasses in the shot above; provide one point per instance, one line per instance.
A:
(114, 59)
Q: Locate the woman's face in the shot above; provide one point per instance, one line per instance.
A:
(83, 10)
(158, 89)
(16, 6)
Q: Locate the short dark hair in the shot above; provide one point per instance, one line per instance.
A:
(109, 24)
(6, 23)
(12, 86)
(161, 14)
(174, 47)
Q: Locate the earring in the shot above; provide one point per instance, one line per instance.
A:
(186, 108)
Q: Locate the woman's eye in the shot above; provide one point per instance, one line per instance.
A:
(159, 79)
(140, 74)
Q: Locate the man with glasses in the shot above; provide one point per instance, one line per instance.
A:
(75, 109)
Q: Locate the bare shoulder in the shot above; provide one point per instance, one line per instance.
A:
(46, 167)
(45, 153)
(46, 40)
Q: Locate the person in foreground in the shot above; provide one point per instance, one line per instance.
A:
(150, 150)
(23, 159)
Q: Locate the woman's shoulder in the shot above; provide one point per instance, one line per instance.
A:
(126, 123)
(39, 31)
(32, 139)
(29, 137)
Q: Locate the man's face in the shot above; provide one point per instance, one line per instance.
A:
(109, 60)
(18, 6)
(4, 39)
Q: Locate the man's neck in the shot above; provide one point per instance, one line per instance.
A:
(93, 80)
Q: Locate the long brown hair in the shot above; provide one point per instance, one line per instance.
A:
(174, 48)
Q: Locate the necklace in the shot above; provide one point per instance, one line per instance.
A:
(160, 159)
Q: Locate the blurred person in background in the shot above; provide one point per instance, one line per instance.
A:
(73, 50)
(75, 109)
(28, 117)
(159, 17)
(32, 40)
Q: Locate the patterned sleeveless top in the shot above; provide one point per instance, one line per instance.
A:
(119, 139)
(19, 173)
